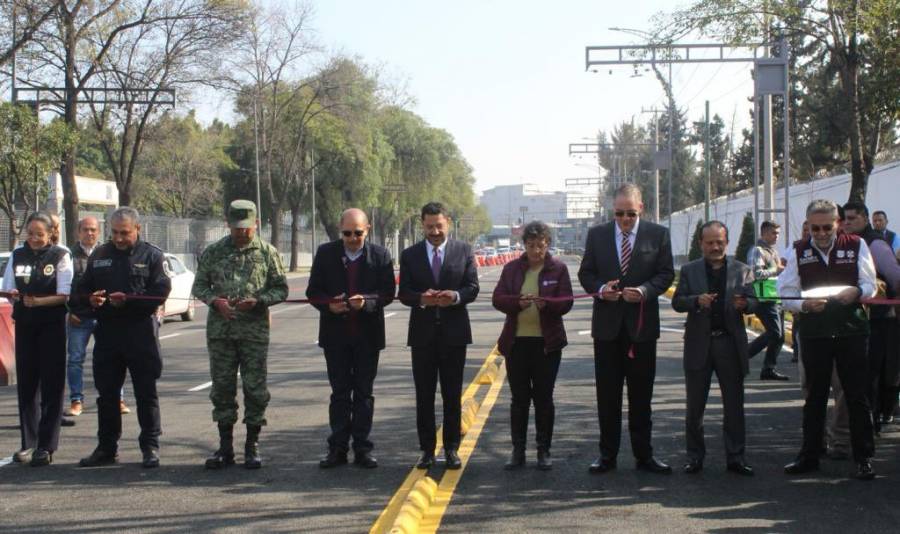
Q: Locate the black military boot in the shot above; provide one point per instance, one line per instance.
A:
(225, 455)
(252, 459)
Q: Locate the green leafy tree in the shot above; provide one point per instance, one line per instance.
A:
(746, 239)
(29, 150)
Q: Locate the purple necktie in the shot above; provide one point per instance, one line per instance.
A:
(436, 265)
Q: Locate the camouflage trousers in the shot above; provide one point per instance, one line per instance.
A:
(226, 356)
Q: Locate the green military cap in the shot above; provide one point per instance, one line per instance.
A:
(241, 214)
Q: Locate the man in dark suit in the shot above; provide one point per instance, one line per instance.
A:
(712, 290)
(437, 279)
(359, 278)
(629, 263)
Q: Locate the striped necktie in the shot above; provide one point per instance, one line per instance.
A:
(625, 256)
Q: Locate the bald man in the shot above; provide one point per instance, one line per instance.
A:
(351, 282)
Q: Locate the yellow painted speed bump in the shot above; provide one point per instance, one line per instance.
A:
(469, 410)
(417, 502)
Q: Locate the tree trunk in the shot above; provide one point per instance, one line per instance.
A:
(295, 238)
(67, 172)
(859, 180)
(13, 232)
(275, 222)
(124, 197)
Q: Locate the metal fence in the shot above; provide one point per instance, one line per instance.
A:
(185, 238)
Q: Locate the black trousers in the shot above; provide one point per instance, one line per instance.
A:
(41, 376)
(725, 362)
(134, 348)
(432, 363)
(612, 369)
(351, 373)
(884, 352)
(532, 377)
(848, 355)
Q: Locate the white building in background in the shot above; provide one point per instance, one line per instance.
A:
(506, 204)
(883, 193)
(92, 191)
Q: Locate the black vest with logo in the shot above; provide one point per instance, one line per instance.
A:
(842, 270)
(879, 311)
(35, 274)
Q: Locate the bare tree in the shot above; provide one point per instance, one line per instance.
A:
(28, 15)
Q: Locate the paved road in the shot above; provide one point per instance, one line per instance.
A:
(291, 494)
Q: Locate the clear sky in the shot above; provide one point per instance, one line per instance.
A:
(506, 77)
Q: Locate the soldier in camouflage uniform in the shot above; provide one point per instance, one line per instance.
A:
(239, 277)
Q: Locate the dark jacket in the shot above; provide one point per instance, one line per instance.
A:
(328, 278)
(651, 269)
(692, 282)
(138, 270)
(458, 273)
(79, 307)
(553, 281)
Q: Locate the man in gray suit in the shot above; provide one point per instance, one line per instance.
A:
(712, 291)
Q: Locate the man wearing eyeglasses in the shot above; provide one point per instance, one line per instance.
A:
(832, 271)
(350, 284)
(628, 263)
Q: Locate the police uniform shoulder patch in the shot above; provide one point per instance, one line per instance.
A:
(48, 270)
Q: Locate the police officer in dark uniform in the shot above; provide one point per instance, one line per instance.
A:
(38, 277)
(126, 283)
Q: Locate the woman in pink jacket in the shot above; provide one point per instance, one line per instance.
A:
(533, 337)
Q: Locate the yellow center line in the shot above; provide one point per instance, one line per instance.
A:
(386, 520)
(432, 519)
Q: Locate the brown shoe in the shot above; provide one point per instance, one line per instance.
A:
(76, 409)
(123, 408)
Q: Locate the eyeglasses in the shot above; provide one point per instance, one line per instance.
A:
(825, 228)
(629, 214)
(357, 233)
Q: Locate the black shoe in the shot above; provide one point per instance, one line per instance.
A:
(41, 457)
(864, 470)
(453, 461)
(425, 461)
(741, 468)
(693, 467)
(23, 456)
(151, 459)
(544, 463)
(772, 374)
(801, 465)
(334, 458)
(602, 465)
(252, 459)
(220, 459)
(98, 458)
(516, 459)
(364, 459)
(652, 465)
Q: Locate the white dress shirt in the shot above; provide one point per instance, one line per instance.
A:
(789, 279)
(632, 237)
(429, 248)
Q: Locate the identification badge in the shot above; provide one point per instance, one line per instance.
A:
(48, 270)
(102, 263)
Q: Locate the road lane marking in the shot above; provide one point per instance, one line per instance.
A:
(6, 461)
(667, 329)
(167, 336)
(390, 314)
(386, 520)
(201, 387)
(583, 332)
(432, 518)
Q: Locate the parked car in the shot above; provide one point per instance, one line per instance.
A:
(180, 301)
(4, 259)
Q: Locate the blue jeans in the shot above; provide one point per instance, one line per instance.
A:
(78, 337)
(772, 339)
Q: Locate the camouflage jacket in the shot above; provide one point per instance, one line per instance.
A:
(230, 272)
